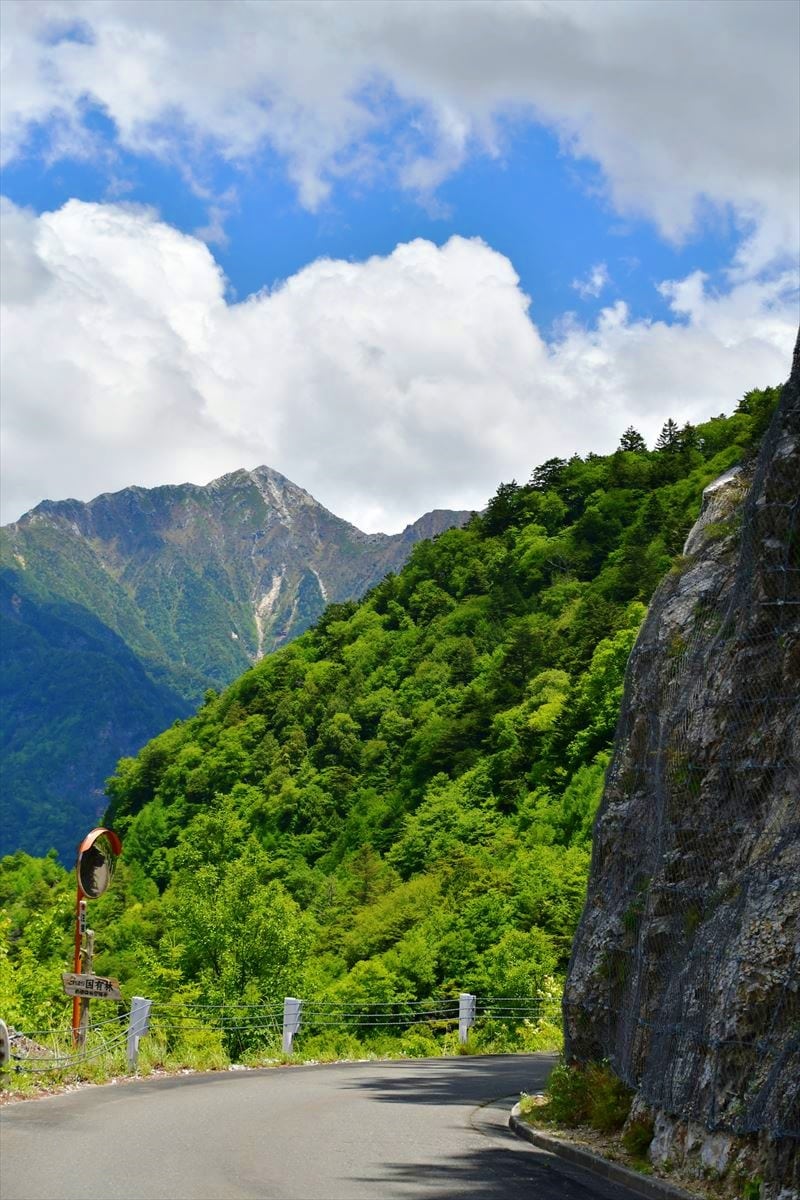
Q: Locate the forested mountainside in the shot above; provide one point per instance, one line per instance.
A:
(118, 614)
(686, 964)
(399, 803)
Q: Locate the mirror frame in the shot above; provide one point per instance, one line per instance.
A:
(88, 844)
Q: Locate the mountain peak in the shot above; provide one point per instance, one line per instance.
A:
(158, 594)
(276, 488)
(279, 492)
(255, 475)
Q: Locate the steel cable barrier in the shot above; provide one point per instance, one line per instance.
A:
(244, 1028)
(44, 1051)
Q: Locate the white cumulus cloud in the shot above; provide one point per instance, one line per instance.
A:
(687, 106)
(386, 387)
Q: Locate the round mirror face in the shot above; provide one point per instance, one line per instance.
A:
(95, 868)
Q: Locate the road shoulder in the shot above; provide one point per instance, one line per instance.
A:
(642, 1185)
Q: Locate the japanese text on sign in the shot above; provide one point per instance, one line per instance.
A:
(91, 986)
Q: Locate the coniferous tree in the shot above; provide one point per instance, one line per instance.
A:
(669, 438)
(632, 440)
(503, 508)
(548, 474)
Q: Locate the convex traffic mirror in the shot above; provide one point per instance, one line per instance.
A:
(97, 857)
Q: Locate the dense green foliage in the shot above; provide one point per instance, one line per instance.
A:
(73, 697)
(117, 615)
(399, 804)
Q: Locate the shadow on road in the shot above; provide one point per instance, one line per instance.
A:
(489, 1172)
(497, 1166)
(469, 1080)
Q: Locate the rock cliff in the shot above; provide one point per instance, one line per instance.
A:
(685, 971)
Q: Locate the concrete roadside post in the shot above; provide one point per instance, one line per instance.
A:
(138, 1025)
(292, 1016)
(466, 1015)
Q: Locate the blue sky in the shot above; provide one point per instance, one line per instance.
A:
(616, 161)
(546, 211)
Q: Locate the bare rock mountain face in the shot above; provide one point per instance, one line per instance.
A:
(685, 971)
(117, 616)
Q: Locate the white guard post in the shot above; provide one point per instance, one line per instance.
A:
(466, 1015)
(292, 1016)
(137, 1027)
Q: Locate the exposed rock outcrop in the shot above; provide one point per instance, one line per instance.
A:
(686, 967)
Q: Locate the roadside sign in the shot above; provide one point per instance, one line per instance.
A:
(94, 987)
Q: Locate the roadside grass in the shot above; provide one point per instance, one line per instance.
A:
(163, 1051)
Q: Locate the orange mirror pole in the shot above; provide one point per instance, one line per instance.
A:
(80, 922)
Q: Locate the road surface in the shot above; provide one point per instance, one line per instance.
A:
(412, 1130)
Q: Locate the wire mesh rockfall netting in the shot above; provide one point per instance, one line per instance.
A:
(686, 968)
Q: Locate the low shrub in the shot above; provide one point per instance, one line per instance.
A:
(591, 1095)
(541, 1035)
(637, 1136)
(419, 1045)
(197, 1050)
(567, 1096)
(330, 1047)
(609, 1098)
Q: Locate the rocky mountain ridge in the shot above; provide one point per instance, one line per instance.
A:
(259, 548)
(118, 614)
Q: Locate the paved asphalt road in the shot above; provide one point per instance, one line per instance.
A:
(414, 1130)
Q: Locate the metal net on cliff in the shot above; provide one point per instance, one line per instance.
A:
(686, 969)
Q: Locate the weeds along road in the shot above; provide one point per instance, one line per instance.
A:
(363, 1131)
